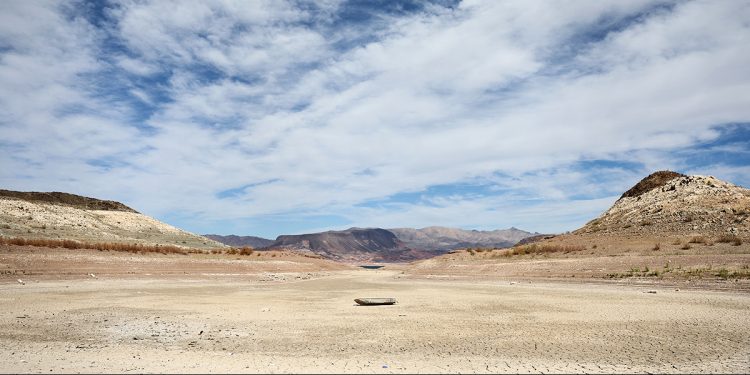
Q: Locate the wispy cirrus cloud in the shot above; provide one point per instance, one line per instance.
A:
(227, 116)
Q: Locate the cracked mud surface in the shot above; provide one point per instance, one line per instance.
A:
(311, 324)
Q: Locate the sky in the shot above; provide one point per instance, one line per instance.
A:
(282, 117)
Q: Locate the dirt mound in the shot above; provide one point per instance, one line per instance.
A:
(77, 201)
(653, 181)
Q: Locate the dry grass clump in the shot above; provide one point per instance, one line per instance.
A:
(543, 249)
(699, 239)
(101, 246)
(730, 238)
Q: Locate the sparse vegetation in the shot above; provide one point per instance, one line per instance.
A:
(646, 223)
(699, 239)
(685, 246)
(656, 247)
(543, 249)
(730, 238)
(109, 246)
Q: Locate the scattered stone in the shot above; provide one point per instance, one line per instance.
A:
(651, 291)
(21, 282)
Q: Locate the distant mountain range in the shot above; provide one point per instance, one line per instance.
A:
(446, 239)
(376, 244)
(240, 241)
(354, 244)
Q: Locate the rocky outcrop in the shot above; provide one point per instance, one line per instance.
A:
(653, 181)
(72, 200)
(680, 204)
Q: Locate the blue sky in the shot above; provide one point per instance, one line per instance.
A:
(279, 117)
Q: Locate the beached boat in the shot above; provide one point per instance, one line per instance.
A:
(375, 301)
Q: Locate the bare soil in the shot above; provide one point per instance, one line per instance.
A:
(289, 313)
(636, 260)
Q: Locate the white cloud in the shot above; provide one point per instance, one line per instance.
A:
(262, 95)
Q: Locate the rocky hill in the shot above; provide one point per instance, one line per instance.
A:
(446, 239)
(67, 216)
(66, 199)
(240, 241)
(669, 202)
(352, 245)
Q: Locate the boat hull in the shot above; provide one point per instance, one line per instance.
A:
(375, 301)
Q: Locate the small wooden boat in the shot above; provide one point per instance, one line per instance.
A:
(375, 301)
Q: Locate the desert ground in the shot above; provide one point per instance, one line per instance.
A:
(89, 311)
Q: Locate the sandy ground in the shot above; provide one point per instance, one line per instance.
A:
(224, 323)
(630, 261)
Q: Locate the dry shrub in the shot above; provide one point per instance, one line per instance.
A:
(101, 246)
(685, 246)
(543, 249)
(699, 239)
(656, 247)
(246, 251)
(730, 238)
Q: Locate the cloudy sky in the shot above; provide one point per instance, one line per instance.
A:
(272, 117)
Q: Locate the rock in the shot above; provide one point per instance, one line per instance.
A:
(21, 282)
(651, 291)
